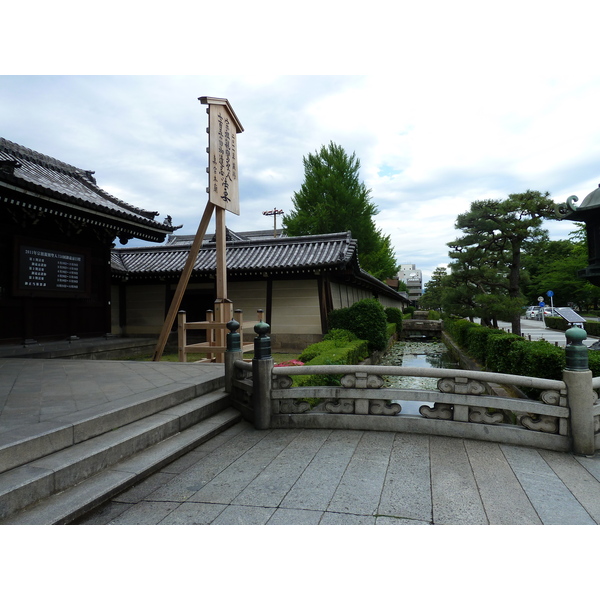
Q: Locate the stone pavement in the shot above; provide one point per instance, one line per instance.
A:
(335, 477)
(34, 391)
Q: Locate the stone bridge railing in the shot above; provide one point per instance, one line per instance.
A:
(565, 418)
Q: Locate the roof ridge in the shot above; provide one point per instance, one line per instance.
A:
(42, 159)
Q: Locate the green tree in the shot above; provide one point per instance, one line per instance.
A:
(553, 265)
(432, 296)
(332, 198)
(488, 256)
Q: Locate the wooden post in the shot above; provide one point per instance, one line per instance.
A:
(181, 336)
(183, 281)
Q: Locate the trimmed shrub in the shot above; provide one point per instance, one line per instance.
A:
(394, 315)
(339, 319)
(314, 350)
(390, 330)
(498, 347)
(594, 362)
(340, 335)
(334, 353)
(457, 329)
(366, 319)
(369, 322)
(409, 310)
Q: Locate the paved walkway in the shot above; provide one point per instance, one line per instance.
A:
(325, 477)
(34, 391)
(245, 476)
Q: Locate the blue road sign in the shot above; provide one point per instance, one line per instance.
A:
(550, 294)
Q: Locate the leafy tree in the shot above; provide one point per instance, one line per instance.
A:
(432, 296)
(487, 258)
(332, 198)
(553, 265)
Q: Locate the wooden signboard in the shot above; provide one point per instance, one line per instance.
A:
(223, 192)
(223, 125)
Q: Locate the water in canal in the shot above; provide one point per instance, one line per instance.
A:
(417, 354)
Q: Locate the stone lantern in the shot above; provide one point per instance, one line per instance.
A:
(589, 213)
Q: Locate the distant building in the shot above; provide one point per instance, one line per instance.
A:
(413, 278)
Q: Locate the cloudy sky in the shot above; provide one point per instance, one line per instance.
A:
(443, 105)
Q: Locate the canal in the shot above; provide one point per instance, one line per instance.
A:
(417, 354)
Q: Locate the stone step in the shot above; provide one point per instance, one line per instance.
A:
(53, 473)
(67, 506)
(26, 444)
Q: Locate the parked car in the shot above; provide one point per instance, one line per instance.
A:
(534, 312)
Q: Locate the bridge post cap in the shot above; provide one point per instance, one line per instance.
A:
(262, 328)
(575, 335)
(233, 325)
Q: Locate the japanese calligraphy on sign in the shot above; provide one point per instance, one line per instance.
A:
(223, 127)
(45, 271)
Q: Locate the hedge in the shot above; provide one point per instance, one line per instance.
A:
(502, 352)
(591, 327)
(337, 351)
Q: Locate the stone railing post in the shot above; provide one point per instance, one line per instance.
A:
(234, 352)
(262, 367)
(580, 393)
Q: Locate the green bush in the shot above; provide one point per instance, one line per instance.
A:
(339, 319)
(409, 310)
(434, 315)
(498, 348)
(594, 362)
(478, 341)
(394, 315)
(509, 353)
(340, 335)
(366, 319)
(390, 330)
(315, 350)
(331, 352)
(457, 329)
(369, 323)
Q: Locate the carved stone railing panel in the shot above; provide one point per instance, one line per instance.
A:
(462, 385)
(362, 381)
(383, 407)
(544, 423)
(293, 406)
(344, 406)
(282, 382)
(349, 406)
(482, 415)
(438, 411)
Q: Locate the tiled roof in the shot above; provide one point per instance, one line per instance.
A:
(37, 173)
(243, 256)
(334, 252)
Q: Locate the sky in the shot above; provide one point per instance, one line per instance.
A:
(443, 104)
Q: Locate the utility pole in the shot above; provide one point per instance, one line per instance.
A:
(274, 214)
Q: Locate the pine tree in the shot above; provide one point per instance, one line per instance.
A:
(488, 256)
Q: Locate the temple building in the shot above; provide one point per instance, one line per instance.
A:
(57, 229)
